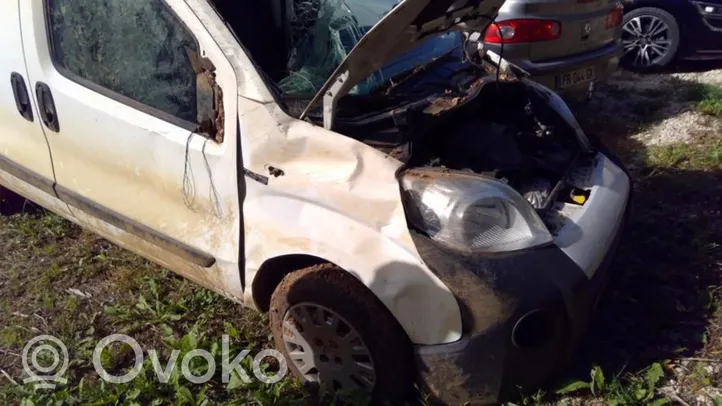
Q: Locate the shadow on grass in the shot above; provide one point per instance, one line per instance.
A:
(663, 297)
(632, 104)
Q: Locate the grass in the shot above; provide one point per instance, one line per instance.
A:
(708, 98)
(631, 389)
(57, 279)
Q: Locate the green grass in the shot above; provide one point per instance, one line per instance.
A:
(60, 280)
(708, 155)
(631, 389)
(708, 98)
(116, 292)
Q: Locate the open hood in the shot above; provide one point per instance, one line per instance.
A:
(407, 24)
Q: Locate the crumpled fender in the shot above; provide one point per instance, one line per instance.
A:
(337, 199)
(311, 191)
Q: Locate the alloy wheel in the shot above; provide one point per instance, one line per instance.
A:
(646, 40)
(327, 349)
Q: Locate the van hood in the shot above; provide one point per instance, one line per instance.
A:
(407, 24)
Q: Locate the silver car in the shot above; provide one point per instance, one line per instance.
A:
(566, 45)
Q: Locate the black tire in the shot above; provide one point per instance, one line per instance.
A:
(332, 288)
(673, 36)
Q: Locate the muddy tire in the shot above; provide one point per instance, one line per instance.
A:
(335, 332)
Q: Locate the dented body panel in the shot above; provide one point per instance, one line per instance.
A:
(339, 200)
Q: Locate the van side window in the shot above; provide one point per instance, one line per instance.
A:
(138, 49)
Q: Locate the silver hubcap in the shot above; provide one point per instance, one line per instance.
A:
(327, 349)
(646, 40)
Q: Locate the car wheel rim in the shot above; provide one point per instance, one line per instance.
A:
(646, 40)
(326, 349)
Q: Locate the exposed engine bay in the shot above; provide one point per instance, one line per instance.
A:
(502, 136)
(498, 129)
(439, 106)
(451, 112)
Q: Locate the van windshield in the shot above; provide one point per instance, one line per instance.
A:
(322, 32)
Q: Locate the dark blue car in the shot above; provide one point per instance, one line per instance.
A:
(658, 31)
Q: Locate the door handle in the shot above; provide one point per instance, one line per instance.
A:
(46, 106)
(22, 99)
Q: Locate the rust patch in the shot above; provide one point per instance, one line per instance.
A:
(220, 111)
(398, 152)
(448, 102)
(275, 172)
(211, 121)
(442, 104)
(430, 173)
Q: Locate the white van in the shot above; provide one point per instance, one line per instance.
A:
(405, 214)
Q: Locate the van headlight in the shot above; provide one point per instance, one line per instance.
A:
(470, 212)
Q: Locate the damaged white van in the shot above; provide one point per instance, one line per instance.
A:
(404, 213)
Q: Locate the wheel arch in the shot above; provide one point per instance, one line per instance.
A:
(423, 305)
(272, 272)
(345, 209)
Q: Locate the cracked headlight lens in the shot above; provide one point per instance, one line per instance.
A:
(470, 212)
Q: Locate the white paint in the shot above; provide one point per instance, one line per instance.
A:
(102, 161)
(21, 141)
(588, 231)
(338, 200)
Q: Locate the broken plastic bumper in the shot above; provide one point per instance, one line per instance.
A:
(523, 313)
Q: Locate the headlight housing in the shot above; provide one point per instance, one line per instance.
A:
(470, 212)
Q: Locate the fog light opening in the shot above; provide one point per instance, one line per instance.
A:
(533, 330)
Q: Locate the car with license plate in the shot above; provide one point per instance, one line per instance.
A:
(656, 32)
(403, 214)
(567, 45)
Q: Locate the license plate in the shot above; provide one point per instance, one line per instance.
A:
(574, 78)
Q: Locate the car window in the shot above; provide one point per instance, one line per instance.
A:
(136, 48)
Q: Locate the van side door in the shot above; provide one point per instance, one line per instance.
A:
(143, 129)
(25, 164)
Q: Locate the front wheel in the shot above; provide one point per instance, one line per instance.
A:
(334, 332)
(651, 38)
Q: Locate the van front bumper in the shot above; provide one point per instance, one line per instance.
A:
(523, 313)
